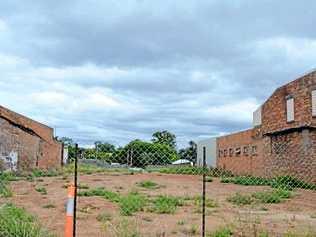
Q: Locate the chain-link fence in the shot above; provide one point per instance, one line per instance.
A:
(155, 190)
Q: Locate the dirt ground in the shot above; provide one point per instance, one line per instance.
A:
(297, 214)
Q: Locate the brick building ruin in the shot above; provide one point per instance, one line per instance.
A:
(26, 144)
(282, 140)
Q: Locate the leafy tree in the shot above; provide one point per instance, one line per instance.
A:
(104, 147)
(165, 138)
(189, 153)
(140, 154)
(91, 153)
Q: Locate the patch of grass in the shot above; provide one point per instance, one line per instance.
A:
(193, 170)
(45, 173)
(281, 182)
(83, 186)
(41, 190)
(49, 206)
(247, 180)
(222, 232)
(289, 183)
(166, 204)
(131, 203)
(123, 228)
(5, 191)
(193, 230)
(240, 199)
(100, 192)
(210, 203)
(8, 177)
(148, 184)
(181, 222)
(274, 196)
(104, 217)
(16, 222)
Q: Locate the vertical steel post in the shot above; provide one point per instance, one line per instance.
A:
(204, 193)
(76, 185)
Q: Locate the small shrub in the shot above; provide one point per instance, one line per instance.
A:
(5, 191)
(166, 204)
(8, 177)
(41, 190)
(45, 173)
(222, 232)
(208, 179)
(100, 192)
(240, 199)
(148, 184)
(131, 203)
(16, 222)
(275, 196)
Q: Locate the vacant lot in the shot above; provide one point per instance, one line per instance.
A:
(155, 204)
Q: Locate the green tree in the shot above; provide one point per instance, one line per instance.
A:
(189, 153)
(165, 138)
(140, 154)
(104, 147)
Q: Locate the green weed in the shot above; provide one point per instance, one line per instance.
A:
(166, 204)
(131, 203)
(16, 222)
(222, 232)
(5, 191)
(41, 190)
(240, 199)
(148, 184)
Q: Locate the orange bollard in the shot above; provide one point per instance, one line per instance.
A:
(69, 228)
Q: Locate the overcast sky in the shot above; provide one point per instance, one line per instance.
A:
(119, 70)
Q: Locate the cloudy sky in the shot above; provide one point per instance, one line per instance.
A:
(117, 70)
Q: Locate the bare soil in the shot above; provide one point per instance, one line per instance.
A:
(297, 214)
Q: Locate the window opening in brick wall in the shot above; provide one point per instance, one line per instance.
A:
(314, 102)
(290, 109)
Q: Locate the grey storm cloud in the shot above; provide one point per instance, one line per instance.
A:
(119, 70)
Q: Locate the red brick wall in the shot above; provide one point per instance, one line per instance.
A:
(274, 109)
(33, 141)
(291, 154)
(280, 151)
(240, 152)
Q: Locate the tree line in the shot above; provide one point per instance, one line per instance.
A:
(160, 150)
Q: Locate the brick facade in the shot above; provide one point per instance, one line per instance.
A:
(30, 142)
(276, 147)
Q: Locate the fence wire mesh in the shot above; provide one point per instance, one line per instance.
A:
(154, 190)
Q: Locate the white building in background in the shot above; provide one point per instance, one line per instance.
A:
(211, 152)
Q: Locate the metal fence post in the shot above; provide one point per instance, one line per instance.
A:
(76, 185)
(203, 192)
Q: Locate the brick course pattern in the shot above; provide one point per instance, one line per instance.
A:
(33, 142)
(276, 147)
